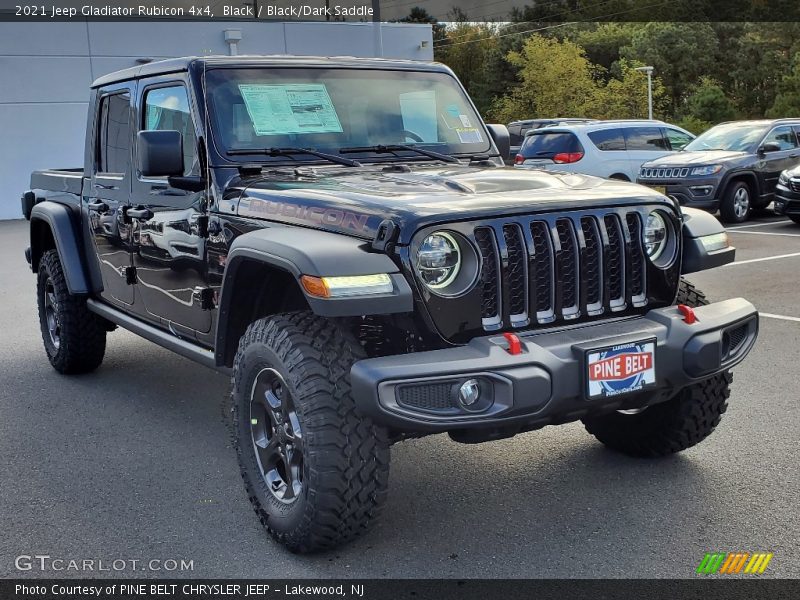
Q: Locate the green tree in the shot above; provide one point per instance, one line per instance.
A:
(625, 97)
(470, 49)
(709, 102)
(681, 53)
(787, 102)
(556, 79)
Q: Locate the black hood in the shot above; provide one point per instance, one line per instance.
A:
(690, 159)
(354, 201)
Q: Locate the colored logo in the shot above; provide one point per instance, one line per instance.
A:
(621, 369)
(732, 563)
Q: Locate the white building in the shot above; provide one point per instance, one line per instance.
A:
(46, 70)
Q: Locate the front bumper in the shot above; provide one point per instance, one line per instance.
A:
(697, 192)
(546, 383)
(786, 201)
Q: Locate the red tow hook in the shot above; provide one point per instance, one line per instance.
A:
(689, 316)
(514, 345)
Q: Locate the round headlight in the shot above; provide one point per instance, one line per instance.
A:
(654, 235)
(438, 260)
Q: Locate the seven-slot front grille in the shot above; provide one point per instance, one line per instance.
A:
(537, 271)
(648, 173)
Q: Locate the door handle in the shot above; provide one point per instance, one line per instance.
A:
(140, 214)
(156, 189)
(98, 206)
(102, 186)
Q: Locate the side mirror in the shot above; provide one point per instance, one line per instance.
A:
(502, 139)
(160, 153)
(769, 147)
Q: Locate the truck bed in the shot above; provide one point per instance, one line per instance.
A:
(58, 180)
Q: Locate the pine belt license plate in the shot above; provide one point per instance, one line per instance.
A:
(622, 369)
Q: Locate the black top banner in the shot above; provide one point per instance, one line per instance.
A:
(399, 589)
(418, 11)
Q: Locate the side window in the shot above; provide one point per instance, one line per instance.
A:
(114, 141)
(167, 108)
(783, 136)
(514, 134)
(645, 138)
(677, 139)
(608, 139)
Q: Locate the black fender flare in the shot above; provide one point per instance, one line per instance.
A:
(60, 222)
(298, 252)
(751, 177)
(698, 224)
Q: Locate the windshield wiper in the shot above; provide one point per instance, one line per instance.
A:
(394, 148)
(340, 160)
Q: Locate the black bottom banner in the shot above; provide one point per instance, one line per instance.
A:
(400, 589)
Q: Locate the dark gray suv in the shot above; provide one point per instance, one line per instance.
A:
(733, 167)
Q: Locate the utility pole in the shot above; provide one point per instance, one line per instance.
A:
(649, 72)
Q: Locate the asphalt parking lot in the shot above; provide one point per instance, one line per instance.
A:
(133, 462)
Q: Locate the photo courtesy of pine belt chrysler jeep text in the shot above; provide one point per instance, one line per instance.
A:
(341, 236)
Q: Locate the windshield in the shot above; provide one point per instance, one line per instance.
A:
(331, 109)
(736, 137)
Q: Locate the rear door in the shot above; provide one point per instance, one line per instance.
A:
(169, 226)
(109, 191)
(612, 158)
(644, 143)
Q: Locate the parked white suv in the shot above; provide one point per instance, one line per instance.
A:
(612, 149)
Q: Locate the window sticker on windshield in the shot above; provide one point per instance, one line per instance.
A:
(290, 108)
(469, 135)
(465, 121)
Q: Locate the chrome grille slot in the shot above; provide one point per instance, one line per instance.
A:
(544, 272)
(517, 275)
(614, 263)
(636, 276)
(490, 282)
(592, 266)
(568, 269)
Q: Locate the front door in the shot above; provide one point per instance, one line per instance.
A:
(169, 227)
(772, 163)
(109, 192)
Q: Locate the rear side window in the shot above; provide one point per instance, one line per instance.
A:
(548, 144)
(645, 138)
(167, 108)
(608, 139)
(515, 135)
(114, 143)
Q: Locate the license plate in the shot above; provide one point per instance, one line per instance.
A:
(622, 369)
(659, 188)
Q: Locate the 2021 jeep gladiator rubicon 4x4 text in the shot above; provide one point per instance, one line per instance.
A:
(342, 237)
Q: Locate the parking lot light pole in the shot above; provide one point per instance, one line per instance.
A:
(649, 72)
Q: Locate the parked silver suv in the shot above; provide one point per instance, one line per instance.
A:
(611, 149)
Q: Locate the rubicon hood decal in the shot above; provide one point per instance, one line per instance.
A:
(354, 201)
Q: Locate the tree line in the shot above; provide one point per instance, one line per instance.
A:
(704, 72)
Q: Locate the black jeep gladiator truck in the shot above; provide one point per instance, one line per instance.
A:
(341, 236)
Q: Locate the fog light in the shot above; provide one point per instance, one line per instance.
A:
(469, 392)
